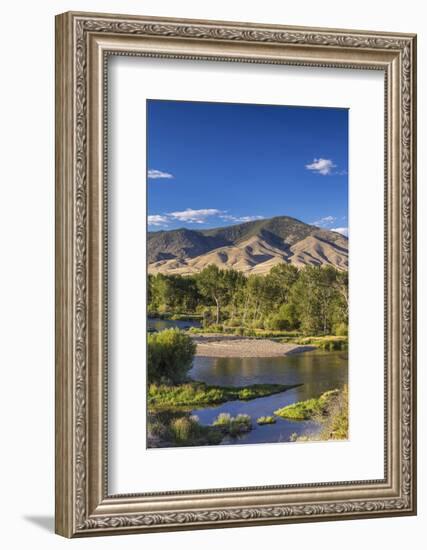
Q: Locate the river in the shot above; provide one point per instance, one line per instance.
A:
(317, 371)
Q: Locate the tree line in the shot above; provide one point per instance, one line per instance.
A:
(313, 300)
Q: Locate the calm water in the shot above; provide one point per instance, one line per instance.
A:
(317, 371)
(162, 324)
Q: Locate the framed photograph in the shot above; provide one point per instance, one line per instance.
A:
(235, 274)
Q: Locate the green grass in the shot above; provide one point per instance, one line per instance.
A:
(246, 332)
(327, 343)
(265, 420)
(333, 419)
(233, 426)
(174, 428)
(178, 429)
(193, 394)
(309, 409)
(336, 426)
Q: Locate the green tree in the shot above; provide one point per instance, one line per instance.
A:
(254, 297)
(170, 356)
(341, 286)
(314, 296)
(286, 318)
(212, 285)
(235, 283)
(283, 277)
(160, 292)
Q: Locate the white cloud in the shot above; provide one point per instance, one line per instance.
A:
(200, 216)
(157, 219)
(324, 222)
(321, 166)
(342, 230)
(195, 216)
(328, 221)
(158, 174)
(240, 219)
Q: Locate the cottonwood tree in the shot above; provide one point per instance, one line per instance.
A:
(312, 298)
(212, 285)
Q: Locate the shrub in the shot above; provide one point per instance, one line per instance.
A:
(336, 425)
(332, 414)
(215, 328)
(341, 329)
(246, 393)
(233, 425)
(311, 409)
(266, 420)
(233, 322)
(333, 345)
(182, 428)
(327, 343)
(285, 319)
(303, 410)
(240, 424)
(207, 317)
(278, 323)
(223, 419)
(156, 429)
(242, 419)
(170, 356)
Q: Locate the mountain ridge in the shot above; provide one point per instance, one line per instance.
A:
(250, 247)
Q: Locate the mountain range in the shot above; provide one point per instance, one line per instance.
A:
(253, 247)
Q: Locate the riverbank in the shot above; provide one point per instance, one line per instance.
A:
(196, 394)
(310, 409)
(330, 410)
(218, 345)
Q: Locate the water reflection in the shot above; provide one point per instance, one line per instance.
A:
(317, 371)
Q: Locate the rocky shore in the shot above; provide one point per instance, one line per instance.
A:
(215, 345)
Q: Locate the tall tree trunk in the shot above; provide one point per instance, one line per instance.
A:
(233, 307)
(256, 311)
(217, 309)
(325, 318)
(245, 310)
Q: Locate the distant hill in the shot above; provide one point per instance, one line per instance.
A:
(251, 247)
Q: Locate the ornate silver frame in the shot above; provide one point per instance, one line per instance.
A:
(83, 42)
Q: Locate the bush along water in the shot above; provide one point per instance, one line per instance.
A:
(179, 429)
(262, 420)
(233, 426)
(330, 410)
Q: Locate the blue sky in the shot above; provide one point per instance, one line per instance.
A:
(215, 164)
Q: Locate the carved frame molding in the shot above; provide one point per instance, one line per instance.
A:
(83, 43)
